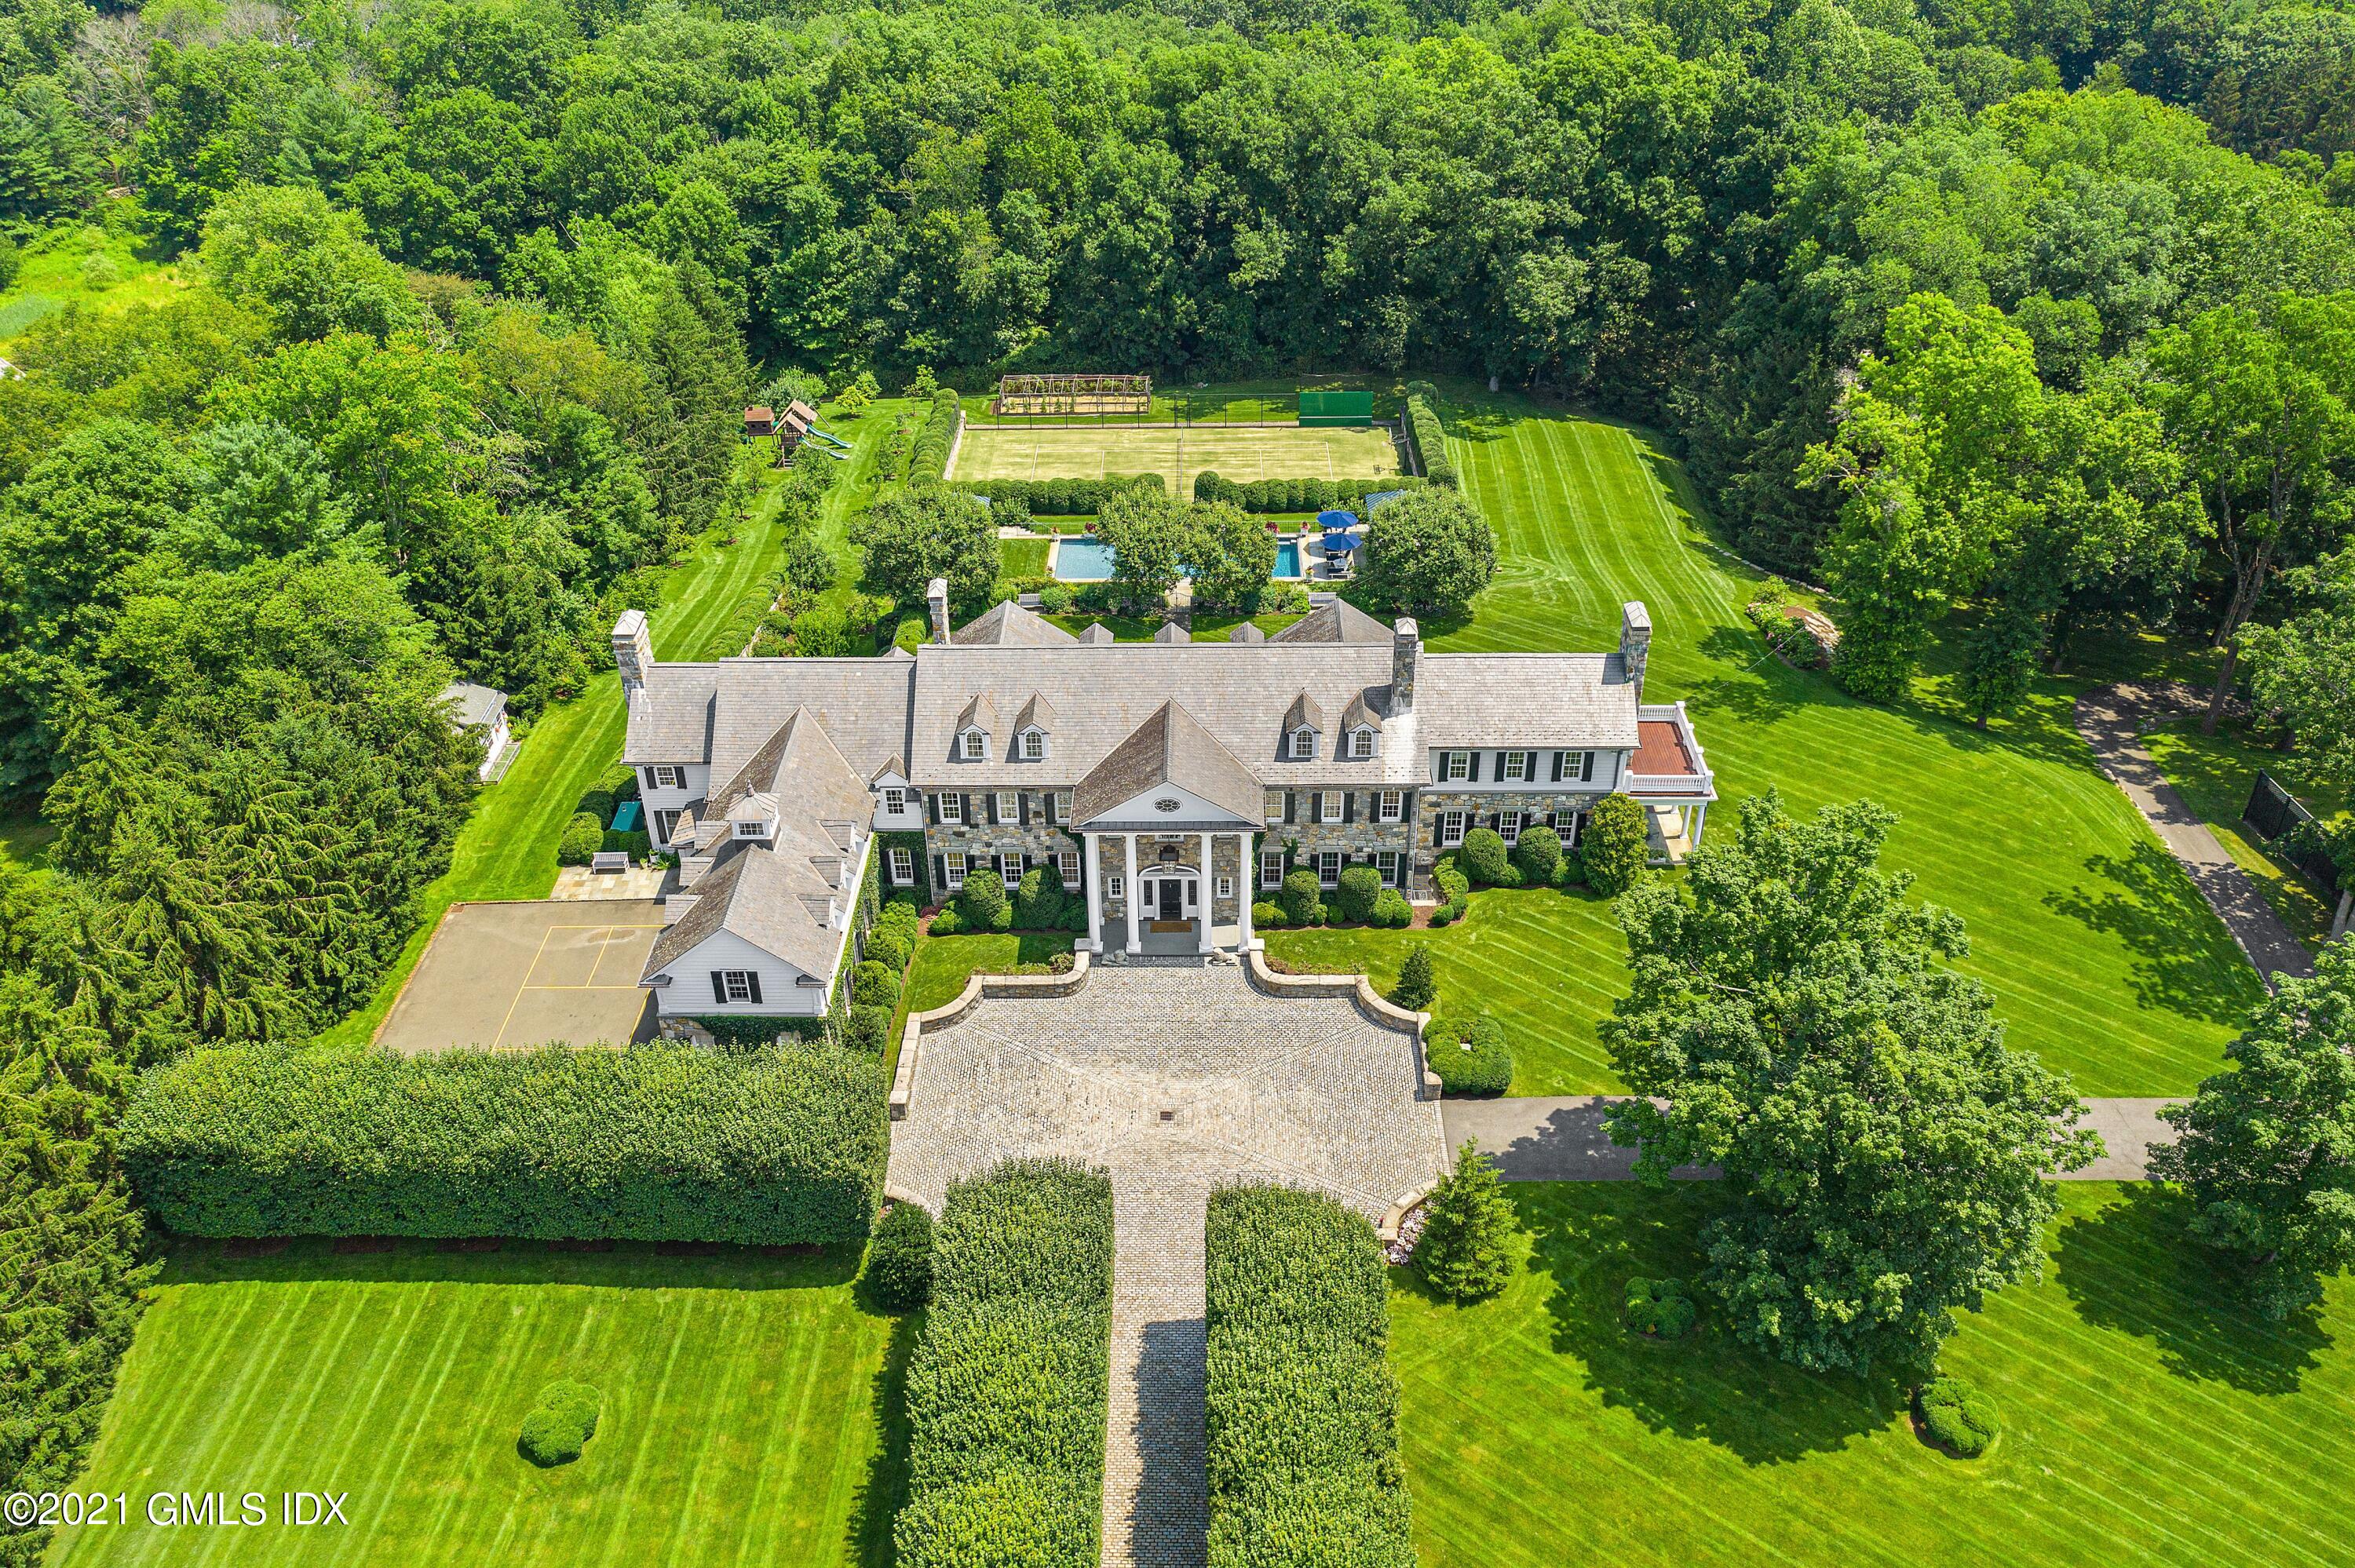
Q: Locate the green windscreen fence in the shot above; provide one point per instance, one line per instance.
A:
(1336, 407)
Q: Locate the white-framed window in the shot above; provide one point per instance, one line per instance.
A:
(1034, 745)
(1009, 807)
(1361, 744)
(1068, 863)
(895, 799)
(953, 863)
(1271, 868)
(1391, 806)
(666, 826)
(753, 829)
(951, 807)
(1275, 805)
(1509, 827)
(1329, 805)
(738, 985)
(1009, 868)
(1226, 888)
(1329, 868)
(1303, 745)
(1115, 886)
(1455, 764)
(1513, 767)
(903, 866)
(1062, 805)
(663, 776)
(1386, 862)
(976, 746)
(1450, 829)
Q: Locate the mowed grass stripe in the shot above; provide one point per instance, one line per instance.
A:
(2148, 1417)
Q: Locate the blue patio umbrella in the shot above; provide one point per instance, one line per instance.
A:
(1338, 540)
(1329, 520)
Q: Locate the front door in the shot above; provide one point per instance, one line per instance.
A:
(1173, 899)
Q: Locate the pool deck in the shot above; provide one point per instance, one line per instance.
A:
(1303, 551)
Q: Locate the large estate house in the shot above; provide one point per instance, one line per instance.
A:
(1169, 782)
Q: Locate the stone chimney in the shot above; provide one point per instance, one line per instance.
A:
(1634, 641)
(634, 652)
(936, 594)
(1406, 649)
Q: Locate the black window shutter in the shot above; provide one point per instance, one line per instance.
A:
(1557, 767)
(1586, 766)
(1022, 808)
(933, 808)
(719, 987)
(964, 807)
(1291, 805)
(1350, 807)
(940, 873)
(753, 979)
(1475, 767)
(1406, 806)
(1438, 768)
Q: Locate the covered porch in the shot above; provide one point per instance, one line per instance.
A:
(1672, 779)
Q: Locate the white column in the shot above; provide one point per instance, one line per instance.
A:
(1209, 889)
(1700, 816)
(1246, 885)
(1128, 890)
(1092, 884)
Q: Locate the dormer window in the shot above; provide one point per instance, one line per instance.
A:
(753, 830)
(973, 745)
(1361, 744)
(1303, 745)
(1034, 745)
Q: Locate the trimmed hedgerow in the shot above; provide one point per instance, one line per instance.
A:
(560, 1424)
(585, 835)
(900, 1258)
(1430, 437)
(1007, 1390)
(1302, 1410)
(653, 1142)
(1263, 495)
(929, 457)
(1470, 1054)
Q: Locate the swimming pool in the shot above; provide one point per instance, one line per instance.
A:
(1082, 561)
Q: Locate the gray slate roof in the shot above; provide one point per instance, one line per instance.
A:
(762, 895)
(722, 712)
(1170, 747)
(1527, 699)
(1007, 622)
(470, 706)
(1334, 620)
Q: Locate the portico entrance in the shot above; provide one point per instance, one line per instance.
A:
(1172, 896)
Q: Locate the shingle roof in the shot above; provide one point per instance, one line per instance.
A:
(1361, 714)
(1170, 747)
(1537, 699)
(763, 895)
(1306, 710)
(1097, 634)
(471, 705)
(979, 713)
(1008, 622)
(1334, 620)
(1037, 713)
(1171, 632)
(722, 712)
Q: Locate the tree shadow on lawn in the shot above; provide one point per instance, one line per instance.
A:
(191, 1260)
(1753, 686)
(1591, 1237)
(884, 1489)
(2183, 962)
(2134, 1268)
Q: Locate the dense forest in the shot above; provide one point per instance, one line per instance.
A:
(1939, 301)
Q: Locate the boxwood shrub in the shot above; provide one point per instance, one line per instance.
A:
(1301, 897)
(1392, 910)
(1958, 1416)
(1470, 1054)
(929, 457)
(1007, 1390)
(561, 1423)
(652, 1142)
(1537, 856)
(1429, 434)
(1269, 917)
(585, 835)
(1353, 900)
(875, 984)
(1483, 858)
(1661, 1309)
(1302, 1410)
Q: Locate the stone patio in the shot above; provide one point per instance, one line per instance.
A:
(1177, 1080)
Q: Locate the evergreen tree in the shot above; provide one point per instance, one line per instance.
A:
(1471, 1243)
(1416, 987)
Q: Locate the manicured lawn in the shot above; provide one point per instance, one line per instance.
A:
(750, 1409)
(1022, 557)
(2214, 774)
(2147, 1418)
(1548, 964)
(2102, 956)
(1216, 628)
(937, 974)
(1123, 628)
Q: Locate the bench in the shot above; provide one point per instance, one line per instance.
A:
(604, 861)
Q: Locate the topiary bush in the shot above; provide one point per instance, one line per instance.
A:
(1354, 899)
(948, 922)
(982, 900)
(1041, 903)
(1392, 911)
(900, 1258)
(1470, 1056)
(585, 835)
(1303, 898)
(1482, 856)
(874, 984)
(1267, 916)
(1660, 1309)
(1417, 986)
(889, 945)
(1537, 856)
(867, 1029)
(1958, 1415)
(561, 1423)
(1616, 845)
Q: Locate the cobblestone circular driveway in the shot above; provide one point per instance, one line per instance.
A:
(1175, 1074)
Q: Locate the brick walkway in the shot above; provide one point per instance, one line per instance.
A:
(1178, 1081)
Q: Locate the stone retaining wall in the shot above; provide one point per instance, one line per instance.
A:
(977, 987)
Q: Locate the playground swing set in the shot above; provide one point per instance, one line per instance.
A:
(797, 424)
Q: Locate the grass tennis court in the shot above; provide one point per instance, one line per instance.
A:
(1176, 452)
(750, 1406)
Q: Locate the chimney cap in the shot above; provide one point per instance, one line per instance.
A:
(937, 589)
(631, 622)
(1634, 617)
(1405, 630)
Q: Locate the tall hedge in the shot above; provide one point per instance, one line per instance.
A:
(929, 457)
(1007, 1391)
(1302, 1409)
(1429, 436)
(654, 1142)
(1260, 495)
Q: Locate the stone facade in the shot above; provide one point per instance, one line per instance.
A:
(986, 842)
(1224, 862)
(1481, 807)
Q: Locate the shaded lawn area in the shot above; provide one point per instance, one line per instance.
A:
(54, 276)
(1124, 627)
(2214, 774)
(937, 974)
(2146, 1416)
(1216, 628)
(1022, 557)
(1548, 964)
(2101, 954)
(751, 1409)
(25, 840)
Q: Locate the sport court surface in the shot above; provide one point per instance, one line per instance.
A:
(515, 975)
(1176, 452)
